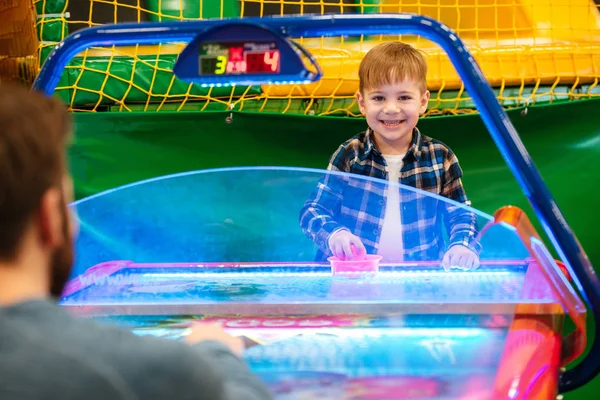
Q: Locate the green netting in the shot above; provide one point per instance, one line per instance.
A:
(100, 80)
(51, 6)
(191, 9)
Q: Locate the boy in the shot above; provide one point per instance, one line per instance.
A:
(399, 224)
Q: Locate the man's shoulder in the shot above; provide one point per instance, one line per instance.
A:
(111, 359)
(109, 342)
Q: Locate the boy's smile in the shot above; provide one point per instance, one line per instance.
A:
(392, 112)
(392, 123)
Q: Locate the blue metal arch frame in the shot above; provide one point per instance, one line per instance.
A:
(496, 120)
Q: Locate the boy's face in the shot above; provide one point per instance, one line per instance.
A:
(392, 111)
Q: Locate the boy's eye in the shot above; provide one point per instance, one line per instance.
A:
(404, 98)
(378, 98)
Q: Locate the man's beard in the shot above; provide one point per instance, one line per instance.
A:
(62, 260)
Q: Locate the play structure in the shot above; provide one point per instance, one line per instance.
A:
(531, 51)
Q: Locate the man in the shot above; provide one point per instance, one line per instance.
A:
(45, 353)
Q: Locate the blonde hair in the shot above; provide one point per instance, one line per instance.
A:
(392, 62)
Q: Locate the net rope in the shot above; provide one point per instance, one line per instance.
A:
(531, 51)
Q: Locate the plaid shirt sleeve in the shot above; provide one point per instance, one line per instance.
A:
(460, 223)
(317, 216)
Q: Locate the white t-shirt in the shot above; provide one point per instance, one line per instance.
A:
(391, 247)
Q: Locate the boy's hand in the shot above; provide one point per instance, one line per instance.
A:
(341, 243)
(460, 257)
(201, 332)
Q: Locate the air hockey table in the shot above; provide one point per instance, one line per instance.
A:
(229, 246)
(405, 330)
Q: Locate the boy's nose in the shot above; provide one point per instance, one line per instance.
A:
(391, 108)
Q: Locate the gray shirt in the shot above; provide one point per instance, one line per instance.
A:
(45, 353)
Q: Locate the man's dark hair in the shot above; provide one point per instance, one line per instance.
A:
(34, 130)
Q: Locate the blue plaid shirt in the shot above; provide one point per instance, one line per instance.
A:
(341, 201)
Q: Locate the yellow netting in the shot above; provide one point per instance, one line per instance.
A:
(18, 42)
(530, 50)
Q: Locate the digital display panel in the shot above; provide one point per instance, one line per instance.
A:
(239, 58)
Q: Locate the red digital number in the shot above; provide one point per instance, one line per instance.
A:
(271, 60)
(236, 66)
(262, 62)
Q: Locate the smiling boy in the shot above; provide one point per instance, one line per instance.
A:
(392, 95)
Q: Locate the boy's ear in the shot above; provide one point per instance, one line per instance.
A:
(361, 101)
(424, 102)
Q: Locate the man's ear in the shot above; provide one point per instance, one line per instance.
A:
(361, 102)
(68, 191)
(50, 218)
(424, 102)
